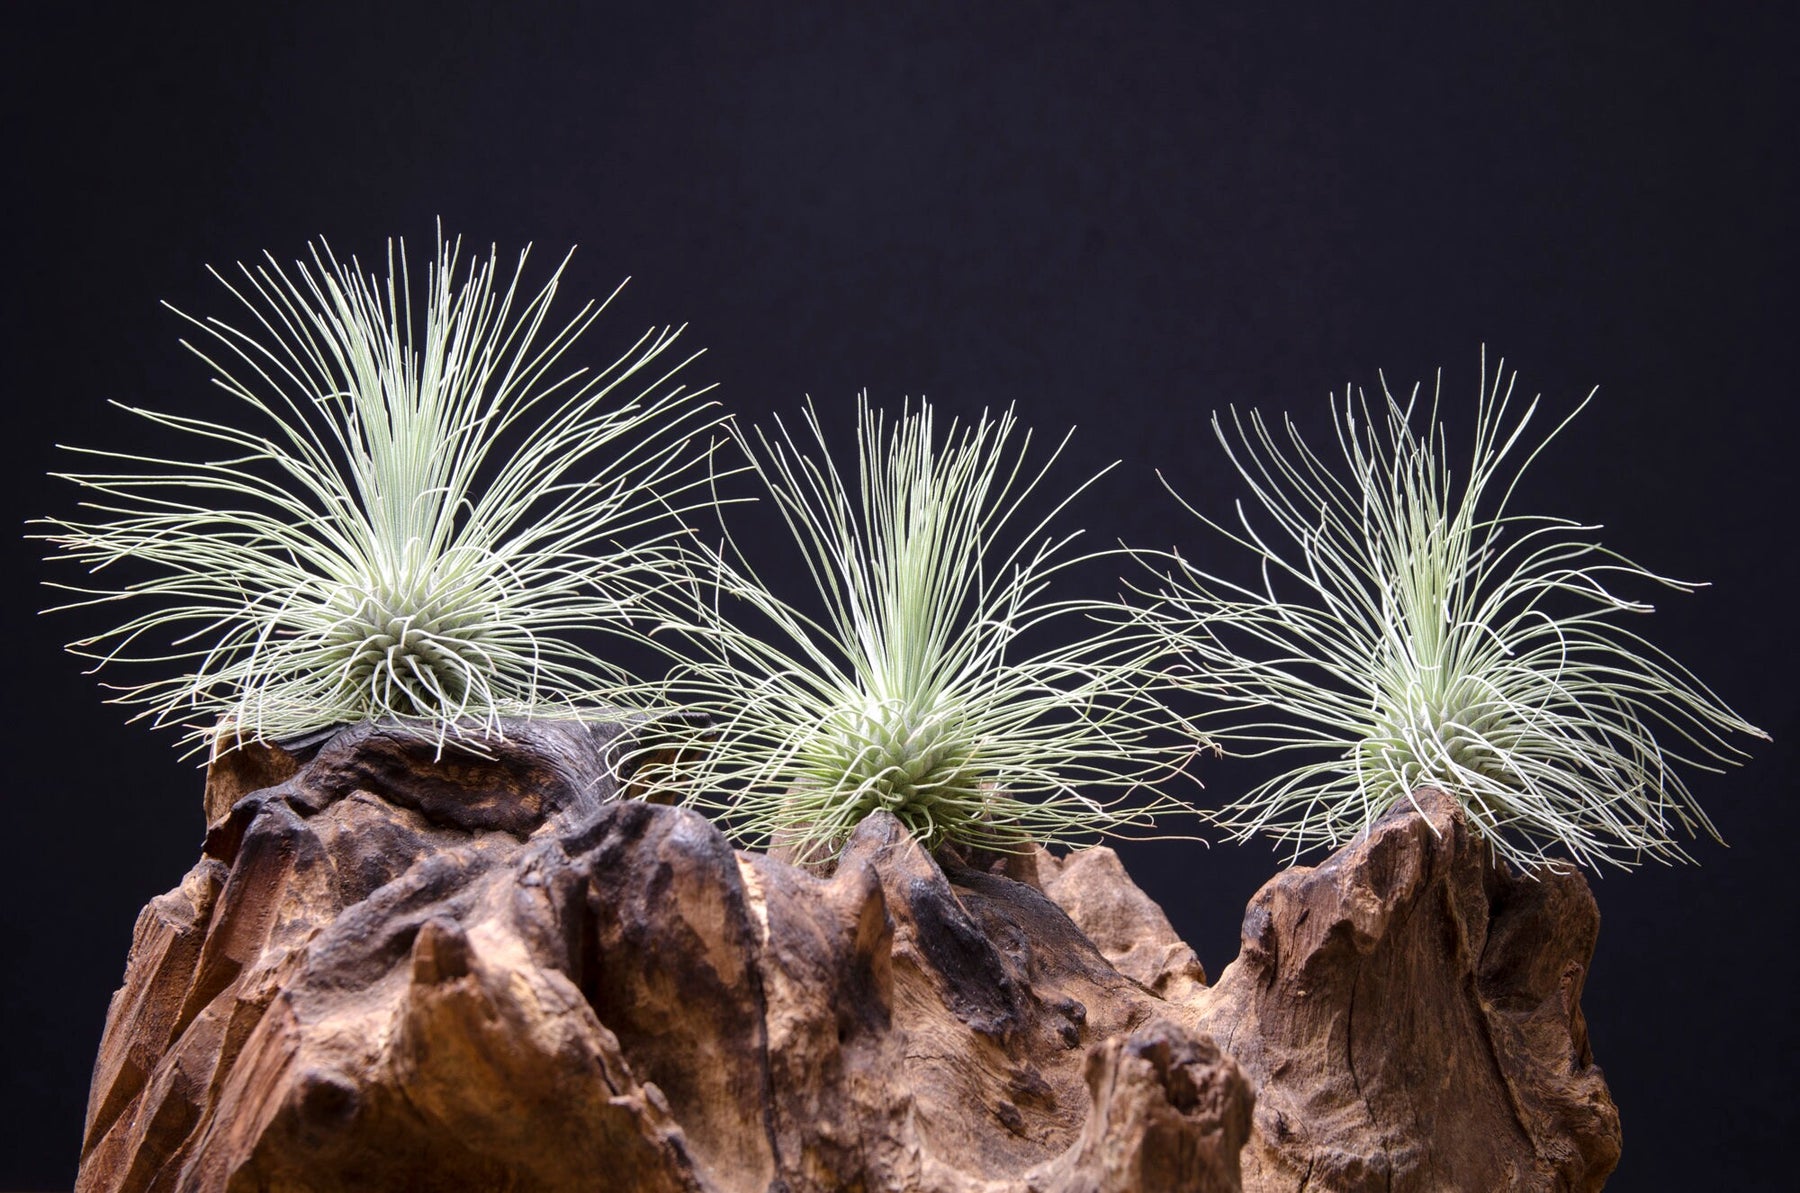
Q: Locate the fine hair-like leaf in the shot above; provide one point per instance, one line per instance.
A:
(412, 505)
(1409, 630)
(917, 692)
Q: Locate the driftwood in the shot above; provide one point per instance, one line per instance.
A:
(394, 969)
(1410, 1013)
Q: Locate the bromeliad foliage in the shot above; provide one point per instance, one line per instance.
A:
(416, 504)
(1410, 630)
(941, 685)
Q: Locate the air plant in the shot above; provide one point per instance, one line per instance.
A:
(1410, 630)
(940, 685)
(414, 507)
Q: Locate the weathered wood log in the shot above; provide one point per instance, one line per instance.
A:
(400, 969)
(1409, 1011)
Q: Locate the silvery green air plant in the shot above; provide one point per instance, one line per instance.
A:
(402, 504)
(939, 680)
(1410, 628)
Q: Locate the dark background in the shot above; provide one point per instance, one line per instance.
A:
(1121, 217)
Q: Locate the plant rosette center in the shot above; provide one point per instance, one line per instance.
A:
(415, 644)
(882, 754)
(1423, 738)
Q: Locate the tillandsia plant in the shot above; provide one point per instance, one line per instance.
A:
(415, 505)
(916, 693)
(1410, 630)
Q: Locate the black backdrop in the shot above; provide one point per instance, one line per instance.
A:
(1119, 217)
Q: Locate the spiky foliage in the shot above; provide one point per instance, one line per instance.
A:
(412, 507)
(1409, 630)
(917, 692)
